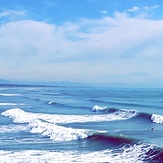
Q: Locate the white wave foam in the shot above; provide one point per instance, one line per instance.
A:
(131, 154)
(10, 104)
(21, 116)
(36, 123)
(51, 102)
(123, 113)
(57, 133)
(45, 124)
(12, 128)
(5, 94)
(97, 108)
(157, 118)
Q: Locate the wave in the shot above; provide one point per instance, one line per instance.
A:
(140, 115)
(111, 140)
(55, 132)
(120, 103)
(53, 103)
(97, 108)
(4, 94)
(12, 128)
(125, 113)
(21, 116)
(139, 153)
(157, 118)
(50, 125)
(46, 124)
(57, 104)
(10, 104)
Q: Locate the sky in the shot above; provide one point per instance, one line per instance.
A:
(89, 41)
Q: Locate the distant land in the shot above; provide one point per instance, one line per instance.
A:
(69, 83)
(61, 83)
(2, 81)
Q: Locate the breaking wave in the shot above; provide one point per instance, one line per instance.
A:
(50, 125)
(55, 132)
(21, 116)
(157, 118)
(152, 117)
(46, 124)
(138, 153)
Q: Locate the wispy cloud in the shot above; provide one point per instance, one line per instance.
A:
(5, 13)
(134, 9)
(104, 12)
(142, 12)
(146, 8)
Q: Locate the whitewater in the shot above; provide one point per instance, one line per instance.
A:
(80, 124)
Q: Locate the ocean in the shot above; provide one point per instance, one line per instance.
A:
(86, 124)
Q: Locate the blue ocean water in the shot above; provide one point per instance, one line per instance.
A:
(80, 124)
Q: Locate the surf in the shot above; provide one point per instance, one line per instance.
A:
(139, 153)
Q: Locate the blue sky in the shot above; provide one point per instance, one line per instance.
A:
(92, 41)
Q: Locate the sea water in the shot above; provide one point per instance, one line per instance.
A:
(80, 124)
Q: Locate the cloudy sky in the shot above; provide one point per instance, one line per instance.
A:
(91, 41)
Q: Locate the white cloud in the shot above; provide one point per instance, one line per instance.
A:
(12, 13)
(151, 7)
(104, 12)
(134, 9)
(142, 9)
(142, 12)
(90, 50)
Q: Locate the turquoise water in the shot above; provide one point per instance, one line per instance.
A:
(80, 124)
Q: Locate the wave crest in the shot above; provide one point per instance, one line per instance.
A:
(157, 118)
(46, 124)
(97, 108)
(21, 116)
(55, 132)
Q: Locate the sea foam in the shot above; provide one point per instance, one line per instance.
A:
(21, 116)
(12, 128)
(55, 132)
(157, 118)
(134, 153)
(47, 124)
(36, 124)
(97, 108)
(10, 104)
